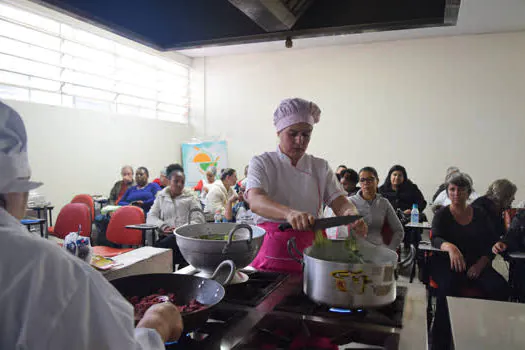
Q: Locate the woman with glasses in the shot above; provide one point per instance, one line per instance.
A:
(288, 185)
(464, 233)
(377, 212)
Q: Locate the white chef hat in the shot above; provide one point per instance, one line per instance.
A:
(14, 165)
(295, 110)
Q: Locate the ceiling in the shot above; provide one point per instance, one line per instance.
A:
(219, 27)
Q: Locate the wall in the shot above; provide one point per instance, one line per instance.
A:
(77, 151)
(426, 104)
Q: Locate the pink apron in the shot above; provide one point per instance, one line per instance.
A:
(273, 255)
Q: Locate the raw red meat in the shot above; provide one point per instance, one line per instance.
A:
(142, 304)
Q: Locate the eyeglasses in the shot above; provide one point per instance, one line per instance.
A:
(367, 179)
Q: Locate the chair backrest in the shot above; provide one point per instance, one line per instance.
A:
(387, 233)
(117, 231)
(70, 217)
(509, 214)
(87, 200)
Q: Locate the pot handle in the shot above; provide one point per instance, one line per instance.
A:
(193, 210)
(293, 251)
(227, 265)
(230, 236)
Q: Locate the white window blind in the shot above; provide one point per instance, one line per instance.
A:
(45, 61)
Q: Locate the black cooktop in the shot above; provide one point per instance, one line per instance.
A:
(259, 285)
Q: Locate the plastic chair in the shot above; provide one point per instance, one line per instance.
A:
(87, 200)
(118, 233)
(69, 219)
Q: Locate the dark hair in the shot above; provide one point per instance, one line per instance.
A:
(461, 180)
(342, 166)
(340, 175)
(172, 168)
(388, 183)
(227, 172)
(370, 170)
(352, 174)
(143, 168)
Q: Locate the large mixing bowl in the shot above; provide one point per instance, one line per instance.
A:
(242, 245)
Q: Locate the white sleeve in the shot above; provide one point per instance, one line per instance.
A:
(98, 317)
(333, 187)
(257, 175)
(154, 214)
(196, 217)
(441, 198)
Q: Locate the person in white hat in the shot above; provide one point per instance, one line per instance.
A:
(291, 186)
(50, 299)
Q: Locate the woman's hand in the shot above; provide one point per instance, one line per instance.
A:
(457, 262)
(476, 269)
(300, 221)
(408, 211)
(360, 227)
(138, 203)
(167, 230)
(499, 247)
(233, 198)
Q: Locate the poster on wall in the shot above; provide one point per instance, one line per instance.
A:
(197, 157)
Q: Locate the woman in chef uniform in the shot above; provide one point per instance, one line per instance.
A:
(51, 299)
(288, 185)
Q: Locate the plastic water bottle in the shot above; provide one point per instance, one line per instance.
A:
(218, 217)
(414, 215)
(240, 215)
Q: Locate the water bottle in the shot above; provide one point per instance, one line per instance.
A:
(240, 215)
(218, 217)
(414, 215)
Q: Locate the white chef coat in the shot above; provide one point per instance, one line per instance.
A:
(217, 197)
(304, 187)
(443, 200)
(50, 299)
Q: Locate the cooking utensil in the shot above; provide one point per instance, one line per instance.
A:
(208, 292)
(321, 224)
(243, 244)
(327, 279)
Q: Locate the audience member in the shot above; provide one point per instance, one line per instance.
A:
(442, 199)
(339, 170)
(463, 231)
(221, 191)
(120, 187)
(143, 193)
(203, 185)
(376, 211)
(349, 179)
(451, 170)
(171, 209)
(162, 180)
(231, 209)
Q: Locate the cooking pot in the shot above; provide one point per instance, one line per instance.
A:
(329, 280)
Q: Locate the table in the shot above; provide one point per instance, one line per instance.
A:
(423, 225)
(44, 208)
(30, 222)
(486, 324)
(141, 261)
(145, 228)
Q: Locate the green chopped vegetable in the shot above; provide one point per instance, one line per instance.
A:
(354, 256)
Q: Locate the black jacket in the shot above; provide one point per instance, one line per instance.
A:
(515, 237)
(407, 194)
(495, 218)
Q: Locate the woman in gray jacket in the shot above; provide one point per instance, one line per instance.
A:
(377, 212)
(171, 209)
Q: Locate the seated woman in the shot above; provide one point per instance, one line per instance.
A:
(120, 187)
(464, 233)
(498, 198)
(376, 210)
(204, 184)
(171, 209)
(403, 194)
(234, 205)
(451, 170)
(221, 191)
(143, 193)
(442, 200)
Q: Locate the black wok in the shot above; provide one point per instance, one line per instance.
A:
(208, 292)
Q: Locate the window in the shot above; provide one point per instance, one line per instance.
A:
(45, 61)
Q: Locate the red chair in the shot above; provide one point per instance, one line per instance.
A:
(118, 233)
(70, 218)
(87, 200)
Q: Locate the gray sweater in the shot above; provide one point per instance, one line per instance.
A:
(375, 213)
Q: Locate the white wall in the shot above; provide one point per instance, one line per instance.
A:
(77, 151)
(426, 104)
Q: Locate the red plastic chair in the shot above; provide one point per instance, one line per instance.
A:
(87, 200)
(70, 217)
(118, 233)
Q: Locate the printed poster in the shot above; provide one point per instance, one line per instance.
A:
(197, 157)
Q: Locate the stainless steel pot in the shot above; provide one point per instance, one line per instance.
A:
(346, 285)
(206, 255)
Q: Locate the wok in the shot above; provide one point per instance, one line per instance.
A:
(208, 292)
